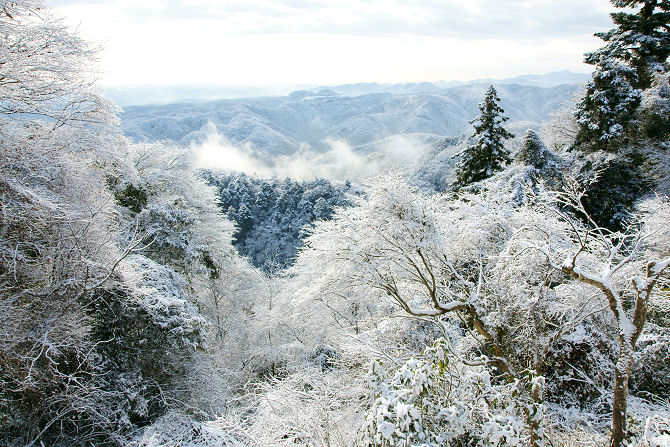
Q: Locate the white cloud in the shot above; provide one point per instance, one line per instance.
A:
(325, 42)
(445, 18)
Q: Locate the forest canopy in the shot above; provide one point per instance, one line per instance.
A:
(513, 291)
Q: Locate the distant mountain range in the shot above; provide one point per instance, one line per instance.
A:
(548, 80)
(130, 95)
(361, 114)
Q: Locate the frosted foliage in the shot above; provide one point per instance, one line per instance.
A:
(190, 278)
(618, 268)
(598, 256)
(162, 293)
(419, 252)
(503, 265)
(656, 99)
(561, 130)
(393, 232)
(356, 232)
(178, 430)
(430, 401)
(609, 101)
(655, 117)
(641, 36)
(182, 212)
(655, 213)
(533, 150)
(310, 407)
(656, 432)
(407, 407)
(98, 237)
(656, 233)
(169, 229)
(55, 250)
(635, 50)
(113, 257)
(34, 81)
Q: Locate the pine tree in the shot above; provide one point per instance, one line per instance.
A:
(609, 104)
(487, 154)
(636, 49)
(641, 39)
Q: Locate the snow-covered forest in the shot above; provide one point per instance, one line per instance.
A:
(508, 288)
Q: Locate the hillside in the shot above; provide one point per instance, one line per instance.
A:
(283, 125)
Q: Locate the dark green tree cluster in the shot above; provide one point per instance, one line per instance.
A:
(271, 215)
(487, 154)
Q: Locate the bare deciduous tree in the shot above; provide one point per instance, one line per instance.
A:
(626, 267)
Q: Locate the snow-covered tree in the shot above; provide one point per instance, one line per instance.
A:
(487, 154)
(561, 130)
(46, 70)
(447, 262)
(625, 267)
(641, 37)
(494, 270)
(433, 399)
(308, 406)
(655, 108)
(609, 103)
(637, 48)
(115, 264)
(533, 152)
(56, 253)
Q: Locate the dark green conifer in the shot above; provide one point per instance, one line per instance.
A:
(641, 39)
(487, 153)
(635, 49)
(533, 152)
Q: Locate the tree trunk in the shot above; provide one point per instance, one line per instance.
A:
(536, 431)
(535, 414)
(620, 401)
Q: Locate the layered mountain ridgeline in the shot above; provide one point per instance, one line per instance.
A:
(553, 79)
(134, 95)
(283, 125)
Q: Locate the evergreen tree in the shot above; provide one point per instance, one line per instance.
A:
(637, 48)
(322, 209)
(487, 154)
(272, 215)
(641, 39)
(245, 220)
(533, 152)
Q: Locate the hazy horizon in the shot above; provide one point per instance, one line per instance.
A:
(144, 94)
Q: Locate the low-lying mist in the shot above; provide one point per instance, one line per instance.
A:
(339, 162)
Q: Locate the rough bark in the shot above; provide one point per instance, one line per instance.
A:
(620, 401)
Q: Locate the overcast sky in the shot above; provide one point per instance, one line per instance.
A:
(277, 42)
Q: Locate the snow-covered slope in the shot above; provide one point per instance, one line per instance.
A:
(283, 125)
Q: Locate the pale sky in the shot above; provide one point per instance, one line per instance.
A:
(278, 42)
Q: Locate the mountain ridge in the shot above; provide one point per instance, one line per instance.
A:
(284, 125)
(135, 95)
